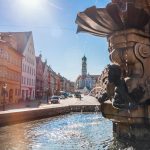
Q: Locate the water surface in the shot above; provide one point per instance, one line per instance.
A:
(79, 131)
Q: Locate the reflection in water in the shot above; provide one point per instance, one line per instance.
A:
(86, 131)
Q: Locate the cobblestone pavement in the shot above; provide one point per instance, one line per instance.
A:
(85, 100)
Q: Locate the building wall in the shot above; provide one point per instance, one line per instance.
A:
(49, 82)
(52, 82)
(58, 78)
(72, 87)
(28, 71)
(10, 73)
(39, 77)
(45, 80)
(89, 82)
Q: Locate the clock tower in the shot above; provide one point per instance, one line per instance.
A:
(84, 66)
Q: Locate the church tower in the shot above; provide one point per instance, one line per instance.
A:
(84, 66)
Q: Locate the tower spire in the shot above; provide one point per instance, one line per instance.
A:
(84, 66)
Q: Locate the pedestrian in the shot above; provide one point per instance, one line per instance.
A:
(80, 97)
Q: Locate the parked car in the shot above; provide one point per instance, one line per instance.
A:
(64, 93)
(55, 100)
(62, 97)
(70, 95)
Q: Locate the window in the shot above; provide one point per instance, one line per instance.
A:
(23, 68)
(30, 70)
(24, 80)
(6, 56)
(33, 93)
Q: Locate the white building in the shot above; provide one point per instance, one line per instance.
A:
(85, 81)
(28, 69)
(23, 43)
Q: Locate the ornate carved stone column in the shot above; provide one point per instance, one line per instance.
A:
(126, 82)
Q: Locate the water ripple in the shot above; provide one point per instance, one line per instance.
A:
(79, 131)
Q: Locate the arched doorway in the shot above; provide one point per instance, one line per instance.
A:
(11, 95)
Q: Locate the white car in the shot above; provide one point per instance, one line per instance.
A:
(55, 100)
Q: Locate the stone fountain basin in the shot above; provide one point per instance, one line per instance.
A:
(137, 115)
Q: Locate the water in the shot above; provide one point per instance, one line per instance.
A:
(86, 131)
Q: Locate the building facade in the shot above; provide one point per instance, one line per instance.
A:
(28, 68)
(25, 76)
(58, 79)
(45, 79)
(39, 77)
(23, 43)
(52, 82)
(10, 73)
(72, 87)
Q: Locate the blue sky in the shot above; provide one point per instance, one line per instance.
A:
(54, 31)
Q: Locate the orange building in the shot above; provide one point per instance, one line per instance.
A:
(10, 73)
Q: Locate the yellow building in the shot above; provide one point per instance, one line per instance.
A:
(10, 73)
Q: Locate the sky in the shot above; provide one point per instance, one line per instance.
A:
(52, 23)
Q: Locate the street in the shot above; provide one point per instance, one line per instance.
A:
(85, 100)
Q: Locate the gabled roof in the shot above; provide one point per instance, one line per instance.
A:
(21, 39)
(7, 44)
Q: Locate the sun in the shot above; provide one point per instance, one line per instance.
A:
(33, 11)
(30, 4)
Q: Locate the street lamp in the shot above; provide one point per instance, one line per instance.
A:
(4, 94)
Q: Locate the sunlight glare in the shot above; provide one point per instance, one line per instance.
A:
(33, 11)
(30, 4)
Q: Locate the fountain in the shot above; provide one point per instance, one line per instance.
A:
(125, 97)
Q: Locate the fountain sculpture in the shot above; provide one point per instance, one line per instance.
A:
(125, 83)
